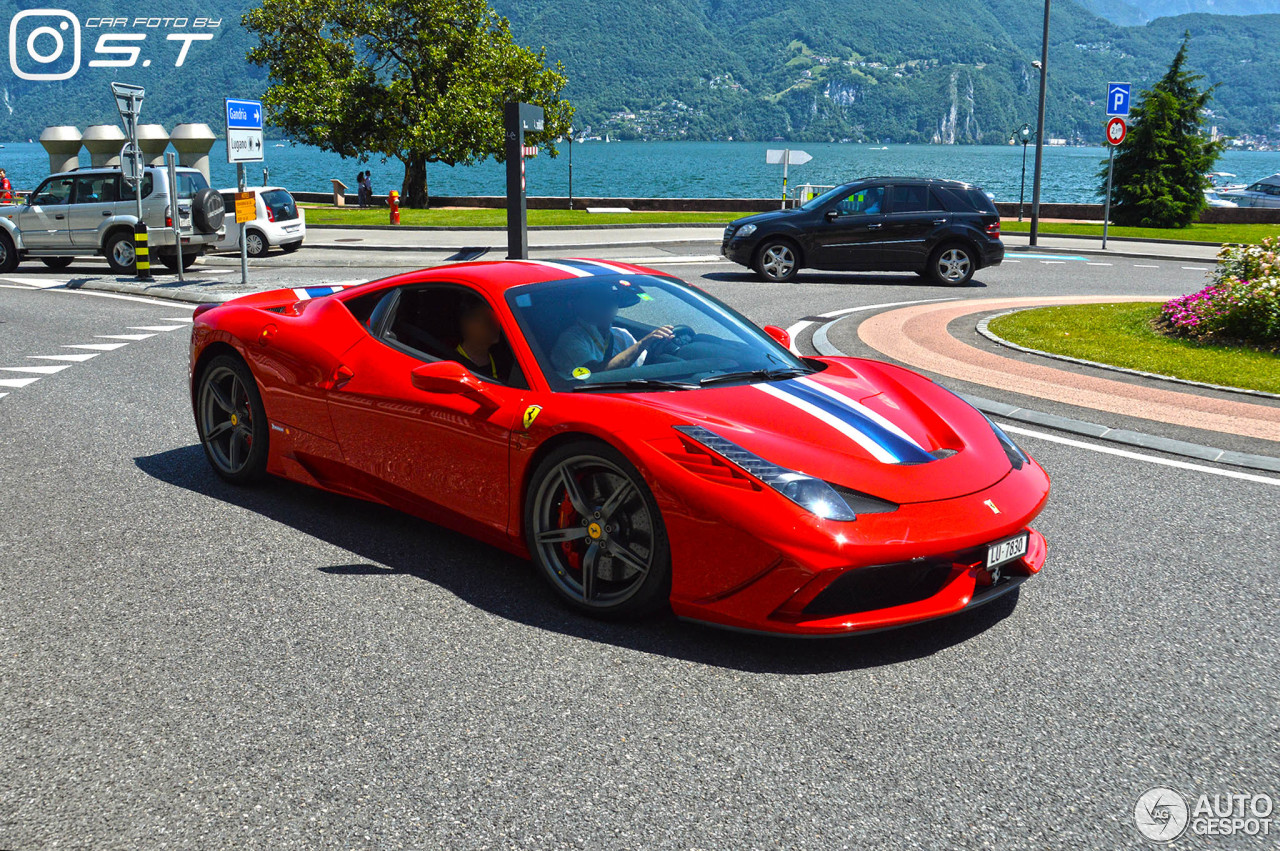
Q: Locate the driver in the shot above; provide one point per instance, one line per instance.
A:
(594, 342)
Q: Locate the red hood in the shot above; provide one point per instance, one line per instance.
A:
(846, 429)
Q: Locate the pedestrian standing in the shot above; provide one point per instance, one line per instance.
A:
(6, 189)
(360, 193)
(368, 186)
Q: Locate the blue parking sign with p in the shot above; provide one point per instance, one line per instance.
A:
(1118, 98)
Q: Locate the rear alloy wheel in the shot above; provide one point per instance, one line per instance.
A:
(170, 261)
(255, 244)
(951, 265)
(119, 251)
(8, 253)
(232, 421)
(595, 532)
(290, 247)
(777, 261)
(57, 262)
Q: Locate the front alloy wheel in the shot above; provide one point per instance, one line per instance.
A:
(595, 533)
(255, 244)
(778, 262)
(232, 421)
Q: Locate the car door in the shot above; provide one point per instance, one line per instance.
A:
(850, 233)
(915, 214)
(43, 219)
(93, 200)
(439, 451)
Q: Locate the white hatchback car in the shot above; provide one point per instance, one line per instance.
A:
(279, 222)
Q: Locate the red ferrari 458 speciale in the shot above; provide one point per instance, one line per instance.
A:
(642, 442)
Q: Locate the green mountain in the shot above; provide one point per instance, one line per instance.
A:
(1131, 12)
(908, 71)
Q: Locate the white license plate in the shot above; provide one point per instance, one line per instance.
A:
(1007, 550)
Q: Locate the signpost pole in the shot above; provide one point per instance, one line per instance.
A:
(516, 119)
(570, 168)
(1038, 168)
(170, 162)
(786, 163)
(1106, 210)
(244, 227)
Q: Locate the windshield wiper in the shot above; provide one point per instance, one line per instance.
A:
(635, 384)
(776, 374)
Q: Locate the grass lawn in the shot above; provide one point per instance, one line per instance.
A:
(1121, 335)
(481, 217)
(1249, 234)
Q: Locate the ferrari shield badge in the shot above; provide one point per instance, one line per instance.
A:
(530, 414)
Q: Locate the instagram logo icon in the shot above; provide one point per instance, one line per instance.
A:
(42, 35)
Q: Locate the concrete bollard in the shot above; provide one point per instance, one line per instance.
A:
(103, 142)
(154, 140)
(63, 145)
(192, 142)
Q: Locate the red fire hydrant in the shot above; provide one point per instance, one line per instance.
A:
(394, 200)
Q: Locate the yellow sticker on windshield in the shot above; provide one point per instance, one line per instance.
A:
(581, 373)
(646, 297)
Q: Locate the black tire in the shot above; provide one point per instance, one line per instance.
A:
(777, 261)
(226, 396)
(604, 549)
(255, 243)
(290, 247)
(57, 262)
(119, 252)
(208, 211)
(952, 265)
(170, 261)
(8, 253)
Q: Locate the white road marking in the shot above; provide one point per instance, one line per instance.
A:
(1053, 262)
(1150, 459)
(132, 338)
(1099, 264)
(98, 347)
(2, 395)
(38, 283)
(37, 370)
(1012, 261)
(181, 318)
(155, 327)
(75, 358)
(794, 330)
(1194, 268)
(17, 382)
(1144, 266)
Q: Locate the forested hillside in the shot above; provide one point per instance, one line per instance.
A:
(907, 71)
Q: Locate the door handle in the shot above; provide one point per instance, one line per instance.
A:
(939, 221)
(875, 226)
(59, 218)
(107, 213)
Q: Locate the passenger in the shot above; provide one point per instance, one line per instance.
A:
(480, 333)
(6, 189)
(595, 343)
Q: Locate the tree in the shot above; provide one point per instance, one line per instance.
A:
(419, 80)
(1161, 166)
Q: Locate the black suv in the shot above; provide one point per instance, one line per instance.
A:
(943, 230)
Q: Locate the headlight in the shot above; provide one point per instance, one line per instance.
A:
(1016, 456)
(811, 494)
(746, 230)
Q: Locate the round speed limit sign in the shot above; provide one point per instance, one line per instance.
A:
(1116, 130)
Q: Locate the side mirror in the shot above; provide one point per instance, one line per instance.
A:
(449, 377)
(832, 215)
(779, 335)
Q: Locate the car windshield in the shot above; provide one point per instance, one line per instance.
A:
(638, 332)
(825, 198)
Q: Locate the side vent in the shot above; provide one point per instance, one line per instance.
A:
(703, 464)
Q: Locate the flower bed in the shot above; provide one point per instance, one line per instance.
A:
(1241, 305)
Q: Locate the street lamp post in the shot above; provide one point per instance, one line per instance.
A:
(1043, 65)
(1024, 136)
(570, 168)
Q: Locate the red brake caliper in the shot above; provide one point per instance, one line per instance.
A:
(569, 518)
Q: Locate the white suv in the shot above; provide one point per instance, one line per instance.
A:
(278, 223)
(92, 212)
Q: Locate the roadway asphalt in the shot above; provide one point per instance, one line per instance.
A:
(184, 664)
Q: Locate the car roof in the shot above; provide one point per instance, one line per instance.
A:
(495, 277)
(258, 189)
(114, 169)
(905, 179)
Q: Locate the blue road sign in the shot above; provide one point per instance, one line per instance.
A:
(244, 114)
(1118, 98)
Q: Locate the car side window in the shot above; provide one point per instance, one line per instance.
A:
(438, 322)
(127, 193)
(55, 190)
(864, 202)
(912, 199)
(95, 189)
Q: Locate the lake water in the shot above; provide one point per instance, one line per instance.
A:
(685, 169)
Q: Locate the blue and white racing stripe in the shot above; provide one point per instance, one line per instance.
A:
(304, 293)
(881, 438)
(568, 269)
